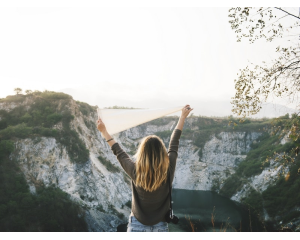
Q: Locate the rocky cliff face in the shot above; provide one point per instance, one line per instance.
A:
(220, 155)
(104, 193)
(45, 161)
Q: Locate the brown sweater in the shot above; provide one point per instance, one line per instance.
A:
(149, 208)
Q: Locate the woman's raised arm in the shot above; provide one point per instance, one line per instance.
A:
(101, 127)
(184, 113)
(124, 159)
(174, 140)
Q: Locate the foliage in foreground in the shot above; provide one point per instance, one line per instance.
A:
(50, 210)
(280, 198)
(279, 78)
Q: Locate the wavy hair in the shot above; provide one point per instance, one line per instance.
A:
(152, 163)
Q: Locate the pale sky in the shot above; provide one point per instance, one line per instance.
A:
(124, 54)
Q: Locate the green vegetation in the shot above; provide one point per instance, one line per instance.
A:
(47, 110)
(100, 208)
(109, 166)
(232, 185)
(85, 108)
(164, 134)
(114, 211)
(255, 162)
(49, 95)
(204, 128)
(279, 200)
(90, 125)
(254, 201)
(209, 127)
(14, 98)
(128, 203)
(49, 210)
(6, 147)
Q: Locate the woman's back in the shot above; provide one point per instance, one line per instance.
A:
(150, 188)
(150, 207)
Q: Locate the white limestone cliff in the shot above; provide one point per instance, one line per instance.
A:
(103, 193)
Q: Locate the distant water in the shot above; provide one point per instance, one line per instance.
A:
(195, 208)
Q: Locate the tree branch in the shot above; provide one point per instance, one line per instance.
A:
(277, 20)
(287, 12)
(260, 12)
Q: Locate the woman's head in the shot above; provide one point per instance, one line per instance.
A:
(152, 163)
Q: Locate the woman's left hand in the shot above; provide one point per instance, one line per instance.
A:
(101, 126)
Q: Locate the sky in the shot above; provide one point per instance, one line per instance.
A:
(125, 56)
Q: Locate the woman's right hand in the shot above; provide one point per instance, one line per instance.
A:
(185, 111)
(101, 126)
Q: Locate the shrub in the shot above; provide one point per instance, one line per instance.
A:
(100, 208)
(39, 119)
(284, 196)
(128, 203)
(14, 98)
(85, 108)
(6, 147)
(109, 166)
(26, 118)
(50, 210)
(54, 95)
(231, 185)
(20, 130)
(164, 134)
(54, 118)
(254, 200)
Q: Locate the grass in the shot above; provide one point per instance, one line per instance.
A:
(215, 225)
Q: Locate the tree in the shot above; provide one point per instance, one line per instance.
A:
(280, 78)
(18, 90)
(6, 147)
(28, 92)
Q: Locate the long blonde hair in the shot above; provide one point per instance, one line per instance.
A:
(152, 163)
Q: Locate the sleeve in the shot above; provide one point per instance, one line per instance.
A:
(127, 164)
(173, 149)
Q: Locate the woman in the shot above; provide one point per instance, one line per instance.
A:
(149, 174)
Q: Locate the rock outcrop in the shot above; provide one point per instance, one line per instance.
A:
(103, 193)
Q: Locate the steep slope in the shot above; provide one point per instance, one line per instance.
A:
(54, 153)
(57, 144)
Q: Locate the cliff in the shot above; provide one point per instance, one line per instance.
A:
(210, 153)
